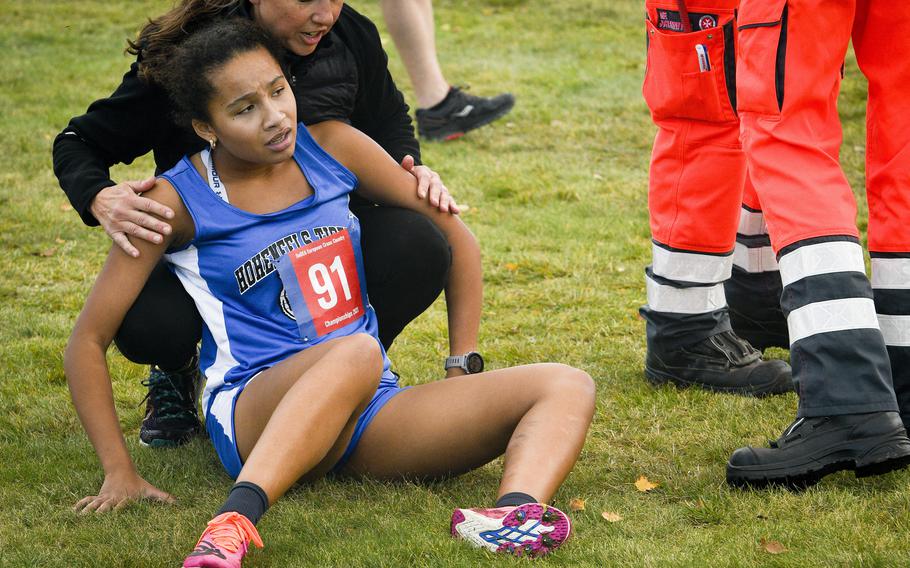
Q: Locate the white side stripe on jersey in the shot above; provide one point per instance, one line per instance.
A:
(821, 258)
(895, 329)
(891, 273)
(689, 266)
(754, 260)
(212, 311)
(831, 315)
(697, 300)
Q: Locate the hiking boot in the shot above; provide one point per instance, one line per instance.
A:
(722, 363)
(170, 412)
(811, 448)
(224, 542)
(459, 113)
(754, 304)
(530, 530)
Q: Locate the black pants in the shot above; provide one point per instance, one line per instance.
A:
(406, 261)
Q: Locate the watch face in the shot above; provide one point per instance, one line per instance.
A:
(474, 363)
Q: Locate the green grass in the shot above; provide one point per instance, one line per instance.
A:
(558, 199)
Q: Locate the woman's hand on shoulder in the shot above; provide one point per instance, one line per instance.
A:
(123, 212)
(118, 491)
(381, 178)
(430, 186)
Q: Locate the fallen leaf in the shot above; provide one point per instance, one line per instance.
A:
(511, 266)
(46, 252)
(773, 546)
(644, 485)
(576, 505)
(59, 241)
(611, 517)
(64, 206)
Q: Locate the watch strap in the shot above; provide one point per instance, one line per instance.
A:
(455, 361)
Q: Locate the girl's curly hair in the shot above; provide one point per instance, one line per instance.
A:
(187, 77)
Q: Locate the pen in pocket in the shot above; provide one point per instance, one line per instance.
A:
(704, 64)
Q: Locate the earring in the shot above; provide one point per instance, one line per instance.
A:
(212, 143)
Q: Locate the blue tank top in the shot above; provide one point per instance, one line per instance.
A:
(253, 316)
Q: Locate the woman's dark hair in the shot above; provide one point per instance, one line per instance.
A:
(161, 35)
(187, 76)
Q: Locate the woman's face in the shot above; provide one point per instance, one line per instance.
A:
(253, 113)
(298, 24)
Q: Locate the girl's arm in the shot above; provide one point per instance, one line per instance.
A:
(115, 290)
(384, 181)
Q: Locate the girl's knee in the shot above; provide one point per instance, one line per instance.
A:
(363, 350)
(568, 382)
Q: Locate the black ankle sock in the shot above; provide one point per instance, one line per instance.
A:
(514, 499)
(248, 499)
(442, 103)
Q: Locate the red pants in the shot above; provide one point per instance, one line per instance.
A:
(789, 62)
(787, 99)
(697, 166)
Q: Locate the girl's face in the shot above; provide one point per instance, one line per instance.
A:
(252, 113)
(297, 24)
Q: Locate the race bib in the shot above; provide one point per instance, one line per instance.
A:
(322, 285)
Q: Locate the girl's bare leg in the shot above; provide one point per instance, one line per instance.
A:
(537, 414)
(297, 418)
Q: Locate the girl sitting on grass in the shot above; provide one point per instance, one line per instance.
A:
(297, 383)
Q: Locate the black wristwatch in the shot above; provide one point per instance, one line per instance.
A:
(470, 362)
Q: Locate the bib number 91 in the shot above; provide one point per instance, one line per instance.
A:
(326, 275)
(324, 284)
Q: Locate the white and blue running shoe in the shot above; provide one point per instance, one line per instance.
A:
(532, 529)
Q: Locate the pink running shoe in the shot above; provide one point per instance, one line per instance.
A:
(532, 529)
(224, 542)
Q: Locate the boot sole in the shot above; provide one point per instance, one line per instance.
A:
(660, 378)
(883, 457)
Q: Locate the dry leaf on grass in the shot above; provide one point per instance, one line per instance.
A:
(610, 516)
(59, 241)
(772, 546)
(576, 505)
(65, 206)
(644, 485)
(511, 266)
(46, 252)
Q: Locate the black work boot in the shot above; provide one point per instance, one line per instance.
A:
(171, 418)
(754, 304)
(811, 448)
(721, 363)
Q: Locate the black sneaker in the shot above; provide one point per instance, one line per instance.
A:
(811, 448)
(754, 305)
(460, 112)
(722, 363)
(170, 411)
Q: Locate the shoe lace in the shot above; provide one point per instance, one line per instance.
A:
(168, 399)
(230, 531)
(737, 350)
(792, 432)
